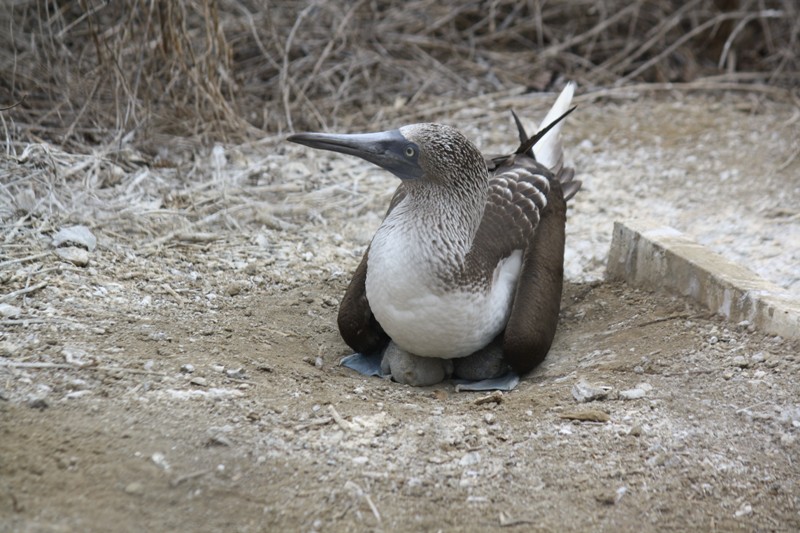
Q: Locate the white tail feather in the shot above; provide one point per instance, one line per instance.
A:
(548, 150)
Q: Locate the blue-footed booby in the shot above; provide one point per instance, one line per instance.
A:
(463, 277)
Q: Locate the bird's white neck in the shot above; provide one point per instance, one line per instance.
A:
(442, 225)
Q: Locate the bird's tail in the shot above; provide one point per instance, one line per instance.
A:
(546, 148)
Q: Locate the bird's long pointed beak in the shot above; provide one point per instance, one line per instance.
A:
(360, 144)
(387, 149)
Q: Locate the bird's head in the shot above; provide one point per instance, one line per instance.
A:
(417, 154)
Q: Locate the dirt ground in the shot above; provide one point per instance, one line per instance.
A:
(191, 383)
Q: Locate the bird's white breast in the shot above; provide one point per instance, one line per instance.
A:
(423, 314)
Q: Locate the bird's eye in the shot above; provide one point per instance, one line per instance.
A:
(410, 151)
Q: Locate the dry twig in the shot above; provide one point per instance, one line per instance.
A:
(185, 67)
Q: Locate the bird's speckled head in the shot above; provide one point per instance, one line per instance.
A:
(418, 154)
(445, 155)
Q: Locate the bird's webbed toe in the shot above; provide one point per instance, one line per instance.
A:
(414, 370)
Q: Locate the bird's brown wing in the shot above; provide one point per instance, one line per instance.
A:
(526, 210)
(537, 301)
(517, 194)
(535, 309)
(357, 325)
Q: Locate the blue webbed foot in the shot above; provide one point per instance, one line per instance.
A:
(366, 364)
(506, 382)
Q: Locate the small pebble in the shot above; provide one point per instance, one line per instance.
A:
(38, 402)
(745, 510)
(494, 397)
(439, 394)
(236, 287)
(76, 356)
(587, 392)
(188, 368)
(78, 384)
(741, 361)
(200, 382)
(10, 311)
(219, 440)
(77, 394)
(217, 368)
(134, 488)
(607, 497)
(159, 336)
(160, 460)
(9, 349)
(235, 373)
(75, 235)
(76, 256)
(632, 394)
(586, 415)
(470, 458)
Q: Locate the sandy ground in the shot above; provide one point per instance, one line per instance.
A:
(187, 378)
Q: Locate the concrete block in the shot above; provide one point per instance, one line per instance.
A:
(653, 256)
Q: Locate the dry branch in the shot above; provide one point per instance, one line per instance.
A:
(86, 72)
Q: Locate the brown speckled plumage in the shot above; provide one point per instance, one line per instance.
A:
(474, 211)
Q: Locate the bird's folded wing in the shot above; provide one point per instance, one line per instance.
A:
(537, 301)
(517, 194)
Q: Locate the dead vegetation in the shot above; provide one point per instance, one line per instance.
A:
(139, 72)
(109, 111)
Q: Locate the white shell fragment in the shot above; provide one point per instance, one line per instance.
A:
(73, 254)
(78, 236)
(636, 393)
(587, 392)
(160, 460)
(10, 311)
(632, 394)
